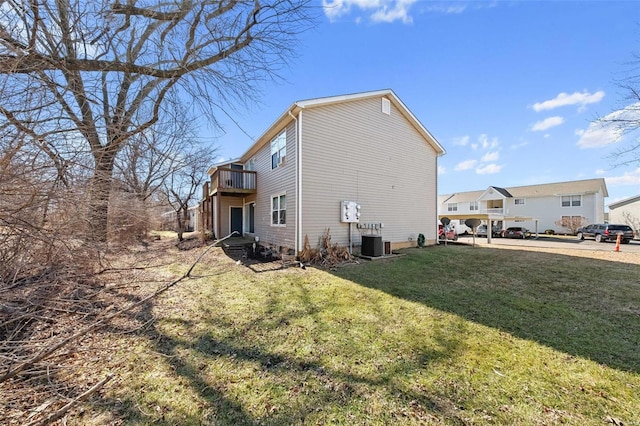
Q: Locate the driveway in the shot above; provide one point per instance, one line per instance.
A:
(554, 242)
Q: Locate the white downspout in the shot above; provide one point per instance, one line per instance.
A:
(298, 230)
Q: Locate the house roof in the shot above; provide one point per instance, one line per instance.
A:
(576, 187)
(624, 202)
(502, 191)
(290, 113)
(213, 168)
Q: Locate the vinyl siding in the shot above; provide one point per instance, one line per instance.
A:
(628, 214)
(548, 210)
(273, 182)
(352, 151)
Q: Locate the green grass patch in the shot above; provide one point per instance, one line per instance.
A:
(443, 335)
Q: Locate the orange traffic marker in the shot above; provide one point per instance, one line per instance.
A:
(618, 242)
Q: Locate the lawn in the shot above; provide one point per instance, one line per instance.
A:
(442, 335)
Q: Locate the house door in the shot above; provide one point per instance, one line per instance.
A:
(236, 219)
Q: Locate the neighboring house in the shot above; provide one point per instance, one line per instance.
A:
(367, 148)
(536, 207)
(626, 212)
(169, 220)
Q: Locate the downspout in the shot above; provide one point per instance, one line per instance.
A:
(298, 230)
(437, 203)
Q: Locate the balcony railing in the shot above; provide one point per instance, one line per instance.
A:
(230, 181)
(494, 211)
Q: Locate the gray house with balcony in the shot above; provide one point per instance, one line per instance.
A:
(367, 148)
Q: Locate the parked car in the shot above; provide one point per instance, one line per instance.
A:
(481, 231)
(444, 232)
(602, 232)
(516, 232)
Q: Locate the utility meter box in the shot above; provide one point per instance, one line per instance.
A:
(349, 212)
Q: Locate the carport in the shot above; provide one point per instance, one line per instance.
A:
(490, 218)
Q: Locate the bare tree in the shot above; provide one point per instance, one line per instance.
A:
(627, 119)
(572, 223)
(100, 72)
(182, 186)
(633, 221)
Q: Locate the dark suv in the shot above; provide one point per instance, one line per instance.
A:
(602, 232)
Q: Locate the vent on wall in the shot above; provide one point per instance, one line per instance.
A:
(386, 106)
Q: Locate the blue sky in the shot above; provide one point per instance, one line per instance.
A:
(511, 89)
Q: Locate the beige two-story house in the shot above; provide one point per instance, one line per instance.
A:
(366, 148)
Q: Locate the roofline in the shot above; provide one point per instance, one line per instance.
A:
(511, 188)
(624, 202)
(294, 108)
(222, 163)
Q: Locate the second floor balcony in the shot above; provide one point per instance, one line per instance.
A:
(496, 211)
(227, 181)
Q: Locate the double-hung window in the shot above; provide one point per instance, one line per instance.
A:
(473, 206)
(278, 150)
(279, 210)
(571, 201)
(519, 201)
(452, 207)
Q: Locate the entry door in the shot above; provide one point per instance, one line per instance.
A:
(236, 219)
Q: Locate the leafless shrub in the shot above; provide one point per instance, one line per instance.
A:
(326, 254)
(572, 223)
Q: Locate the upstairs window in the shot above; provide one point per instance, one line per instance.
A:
(278, 150)
(519, 201)
(571, 200)
(473, 206)
(279, 210)
(452, 207)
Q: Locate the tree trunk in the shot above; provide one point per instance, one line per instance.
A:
(99, 192)
(180, 229)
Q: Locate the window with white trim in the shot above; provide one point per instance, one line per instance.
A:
(278, 150)
(571, 200)
(279, 210)
(519, 201)
(473, 205)
(452, 207)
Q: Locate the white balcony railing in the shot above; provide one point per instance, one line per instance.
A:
(494, 211)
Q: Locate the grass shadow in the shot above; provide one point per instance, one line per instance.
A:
(581, 306)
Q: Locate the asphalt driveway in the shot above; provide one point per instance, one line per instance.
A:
(555, 242)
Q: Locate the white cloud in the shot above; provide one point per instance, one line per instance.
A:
(377, 10)
(447, 8)
(601, 172)
(490, 157)
(489, 169)
(461, 141)
(547, 123)
(486, 143)
(466, 165)
(563, 99)
(607, 131)
(519, 145)
(441, 170)
(628, 178)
